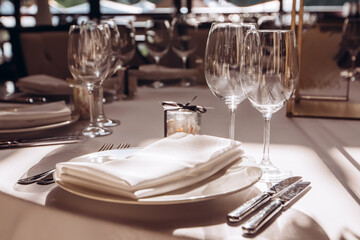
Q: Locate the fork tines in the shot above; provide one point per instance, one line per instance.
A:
(106, 146)
(123, 145)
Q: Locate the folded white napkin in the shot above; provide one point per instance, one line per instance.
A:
(43, 85)
(34, 115)
(169, 164)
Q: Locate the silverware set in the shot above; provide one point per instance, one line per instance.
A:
(46, 177)
(275, 199)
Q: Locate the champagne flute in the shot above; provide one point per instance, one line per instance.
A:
(183, 39)
(222, 64)
(269, 72)
(351, 40)
(88, 50)
(157, 39)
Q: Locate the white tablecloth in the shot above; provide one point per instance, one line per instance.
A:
(323, 151)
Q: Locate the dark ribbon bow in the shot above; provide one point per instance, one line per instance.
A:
(170, 105)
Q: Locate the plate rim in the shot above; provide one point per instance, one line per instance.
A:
(149, 200)
(73, 118)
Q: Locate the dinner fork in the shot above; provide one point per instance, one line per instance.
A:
(45, 178)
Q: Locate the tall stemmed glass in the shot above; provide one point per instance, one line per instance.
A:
(114, 62)
(184, 39)
(222, 64)
(88, 50)
(269, 72)
(351, 41)
(157, 39)
(127, 42)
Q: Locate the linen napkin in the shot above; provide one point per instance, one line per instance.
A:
(177, 161)
(34, 115)
(43, 85)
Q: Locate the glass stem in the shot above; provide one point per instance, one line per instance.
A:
(184, 60)
(157, 62)
(266, 158)
(91, 106)
(232, 124)
(116, 84)
(353, 63)
(100, 101)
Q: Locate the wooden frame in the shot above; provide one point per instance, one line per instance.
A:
(334, 107)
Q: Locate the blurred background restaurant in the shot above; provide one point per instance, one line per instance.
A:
(22, 56)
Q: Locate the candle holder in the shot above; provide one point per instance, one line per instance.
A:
(182, 118)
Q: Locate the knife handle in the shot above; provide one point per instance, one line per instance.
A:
(262, 217)
(239, 213)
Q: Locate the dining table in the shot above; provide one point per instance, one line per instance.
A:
(325, 152)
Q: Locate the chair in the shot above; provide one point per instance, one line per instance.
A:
(41, 50)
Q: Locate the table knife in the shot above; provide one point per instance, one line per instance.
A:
(244, 210)
(39, 141)
(275, 206)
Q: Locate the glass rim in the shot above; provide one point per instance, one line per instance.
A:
(232, 23)
(274, 30)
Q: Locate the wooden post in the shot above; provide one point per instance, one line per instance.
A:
(299, 43)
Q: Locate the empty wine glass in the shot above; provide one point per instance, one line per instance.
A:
(351, 41)
(222, 64)
(127, 43)
(88, 50)
(269, 72)
(184, 39)
(114, 61)
(157, 39)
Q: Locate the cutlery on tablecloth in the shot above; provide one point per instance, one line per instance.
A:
(18, 98)
(46, 178)
(4, 144)
(250, 206)
(274, 206)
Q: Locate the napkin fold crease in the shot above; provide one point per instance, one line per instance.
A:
(41, 84)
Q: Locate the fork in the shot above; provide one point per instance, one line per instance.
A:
(46, 177)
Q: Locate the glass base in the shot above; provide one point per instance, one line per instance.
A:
(157, 84)
(93, 132)
(185, 83)
(106, 122)
(273, 174)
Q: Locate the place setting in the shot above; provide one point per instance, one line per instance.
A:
(37, 103)
(186, 166)
(179, 119)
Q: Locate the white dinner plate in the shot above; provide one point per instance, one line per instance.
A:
(235, 178)
(73, 119)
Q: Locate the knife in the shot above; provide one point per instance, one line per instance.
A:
(39, 141)
(275, 206)
(241, 212)
(24, 100)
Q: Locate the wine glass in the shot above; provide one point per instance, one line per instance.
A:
(222, 64)
(351, 41)
(114, 61)
(157, 39)
(184, 39)
(269, 72)
(88, 50)
(127, 43)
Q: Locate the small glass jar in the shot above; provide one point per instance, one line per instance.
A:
(181, 120)
(81, 102)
